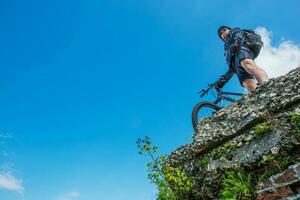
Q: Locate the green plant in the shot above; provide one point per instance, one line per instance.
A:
(178, 180)
(231, 145)
(165, 192)
(262, 128)
(267, 159)
(171, 181)
(285, 161)
(237, 185)
(218, 152)
(295, 121)
(203, 161)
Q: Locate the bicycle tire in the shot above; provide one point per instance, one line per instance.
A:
(196, 110)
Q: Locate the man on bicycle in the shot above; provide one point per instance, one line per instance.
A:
(240, 60)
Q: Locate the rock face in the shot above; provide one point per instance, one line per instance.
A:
(255, 133)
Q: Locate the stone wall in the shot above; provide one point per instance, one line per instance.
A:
(281, 185)
(230, 139)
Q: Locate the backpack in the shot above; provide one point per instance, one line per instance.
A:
(252, 41)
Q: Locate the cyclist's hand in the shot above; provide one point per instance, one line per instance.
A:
(217, 87)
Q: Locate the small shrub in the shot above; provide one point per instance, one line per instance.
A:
(268, 158)
(262, 128)
(203, 161)
(172, 183)
(178, 180)
(218, 152)
(295, 121)
(231, 145)
(237, 185)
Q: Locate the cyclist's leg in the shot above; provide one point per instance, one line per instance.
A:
(250, 84)
(251, 67)
(246, 59)
(246, 79)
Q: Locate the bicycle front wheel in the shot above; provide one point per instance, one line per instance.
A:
(201, 111)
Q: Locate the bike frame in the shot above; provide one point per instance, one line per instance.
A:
(213, 106)
(223, 96)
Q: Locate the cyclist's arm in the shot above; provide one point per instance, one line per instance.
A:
(224, 78)
(237, 35)
(236, 40)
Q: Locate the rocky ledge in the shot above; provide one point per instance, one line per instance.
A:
(254, 141)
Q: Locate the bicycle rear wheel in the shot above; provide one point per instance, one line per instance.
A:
(201, 111)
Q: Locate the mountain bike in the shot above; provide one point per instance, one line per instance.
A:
(206, 109)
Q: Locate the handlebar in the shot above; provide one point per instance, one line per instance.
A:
(204, 91)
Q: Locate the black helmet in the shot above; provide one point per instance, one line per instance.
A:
(221, 28)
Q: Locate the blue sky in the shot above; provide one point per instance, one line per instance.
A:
(81, 80)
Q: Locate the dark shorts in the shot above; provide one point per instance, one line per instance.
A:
(241, 73)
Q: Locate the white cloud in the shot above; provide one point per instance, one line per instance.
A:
(3, 137)
(9, 182)
(6, 135)
(69, 196)
(278, 60)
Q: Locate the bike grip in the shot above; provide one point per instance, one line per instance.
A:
(202, 93)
